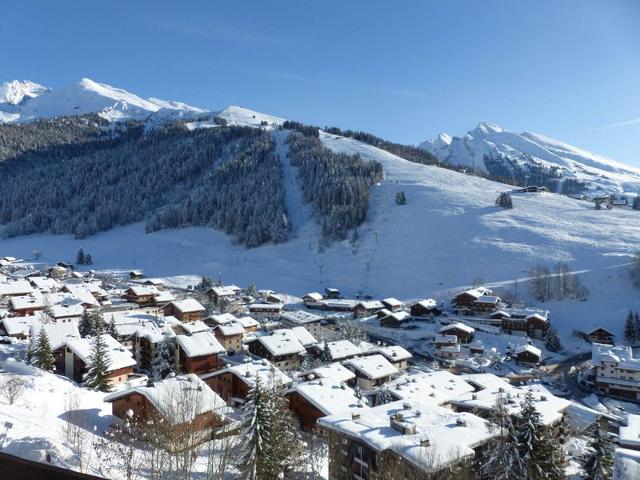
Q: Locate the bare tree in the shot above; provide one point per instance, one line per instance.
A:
(12, 388)
(74, 430)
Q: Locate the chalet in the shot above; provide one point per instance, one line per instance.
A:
(45, 284)
(332, 293)
(371, 371)
(141, 294)
(405, 433)
(395, 319)
(617, 371)
(220, 319)
(77, 359)
(58, 335)
(393, 304)
(234, 382)
(300, 318)
(62, 313)
(230, 336)
(528, 355)
(154, 282)
(249, 324)
(264, 311)
(222, 293)
(274, 298)
(476, 348)
(367, 308)
(136, 274)
(463, 332)
(26, 305)
(312, 300)
(601, 335)
(187, 310)
(449, 352)
(396, 355)
(334, 371)
(18, 327)
(15, 289)
(282, 348)
(339, 305)
(445, 341)
(437, 387)
(83, 293)
(537, 325)
(337, 351)
(198, 353)
(485, 304)
(424, 309)
(315, 399)
(463, 302)
(204, 410)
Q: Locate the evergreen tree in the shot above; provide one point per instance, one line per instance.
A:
(504, 200)
(205, 284)
(98, 365)
(502, 461)
(285, 444)
(87, 324)
(636, 322)
(252, 291)
(254, 462)
(219, 281)
(537, 444)
(325, 355)
(630, 328)
(401, 199)
(552, 340)
(384, 396)
(88, 260)
(636, 203)
(163, 362)
(599, 463)
(42, 354)
(80, 257)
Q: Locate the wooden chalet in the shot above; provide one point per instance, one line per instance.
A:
(601, 335)
(141, 294)
(528, 355)
(230, 336)
(282, 348)
(77, 359)
(424, 309)
(198, 353)
(463, 333)
(187, 310)
(367, 308)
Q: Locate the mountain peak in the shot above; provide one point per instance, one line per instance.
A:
(485, 129)
(15, 91)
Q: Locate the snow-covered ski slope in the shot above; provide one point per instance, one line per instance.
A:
(447, 234)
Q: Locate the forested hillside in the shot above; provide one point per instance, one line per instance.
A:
(225, 177)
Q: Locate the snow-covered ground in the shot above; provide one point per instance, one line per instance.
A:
(447, 234)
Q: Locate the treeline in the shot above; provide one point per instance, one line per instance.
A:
(336, 184)
(225, 177)
(307, 130)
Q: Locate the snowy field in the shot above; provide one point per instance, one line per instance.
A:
(447, 234)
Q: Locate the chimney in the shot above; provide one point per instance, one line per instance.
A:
(355, 415)
(474, 396)
(424, 442)
(406, 406)
(461, 422)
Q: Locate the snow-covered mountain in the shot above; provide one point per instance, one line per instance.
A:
(27, 101)
(531, 149)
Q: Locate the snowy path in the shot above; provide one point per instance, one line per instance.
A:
(293, 197)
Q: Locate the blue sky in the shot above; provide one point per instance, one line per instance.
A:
(404, 70)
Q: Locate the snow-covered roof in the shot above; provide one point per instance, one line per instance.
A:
(26, 302)
(342, 349)
(82, 293)
(118, 355)
(199, 344)
(169, 394)
(222, 318)
(249, 371)
(301, 317)
(143, 290)
(194, 327)
(18, 287)
(334, 371)
(372, 366)
(428, 303)
(371, 304)
(630, 433)
(457, 326)
(247, 322)
(446, 339)
(491, 299)
(45, 283)
(188, 305)
(529, 349)
(225, 291)
(538, 316)
(476, 292)
(327, 395)
(19, 325)
(58, 333)
(398, 316)
(315, 296)
(164, 297)
(230, 329)
(259, 307)
(548, 405)
(451, 436)
(620, 355)
(393, 353)
(392, 302)
(65, 311)
(282, 342)
(140, 324)
(304, 337)
(437, 387)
